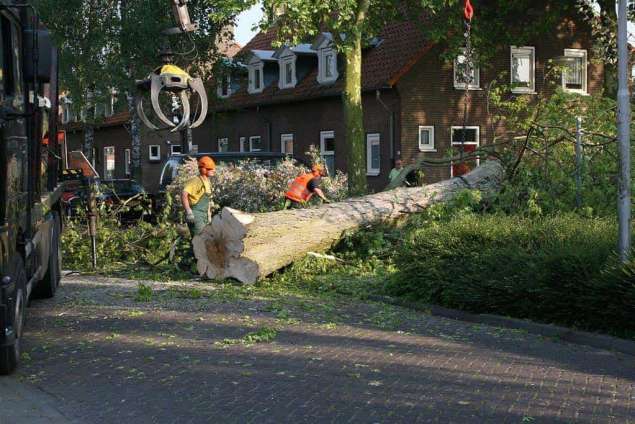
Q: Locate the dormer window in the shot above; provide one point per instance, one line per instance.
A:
(327, 58)
(327, 66)
(256, 82)
(224, 89)
(287, 72)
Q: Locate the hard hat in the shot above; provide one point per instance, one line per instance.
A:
(318, 168)
(206, 162)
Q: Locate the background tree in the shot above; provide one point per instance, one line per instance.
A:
(106, 44)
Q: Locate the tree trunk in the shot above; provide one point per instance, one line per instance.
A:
(248, 247)
(135, 138)
(89, 142)
(354, 116)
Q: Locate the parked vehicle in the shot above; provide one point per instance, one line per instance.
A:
(126, 197)
(30, 191)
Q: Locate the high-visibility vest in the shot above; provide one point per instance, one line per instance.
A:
(298, 191)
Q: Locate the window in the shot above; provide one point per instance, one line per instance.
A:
(287, 72)
(12, 63)
(327, 150)
(523, 69)
(109, 107)
(327, 66)
(256, 82)
(426, 139)
(127, 161)
(286, 144)
(223, 145)
(243, 144)
(224, 87)
(466, 75)
(176, 149)
(255, 143)
(154, 152)
(465, 140)
(574, 77)
(373, 158)
(109, 162)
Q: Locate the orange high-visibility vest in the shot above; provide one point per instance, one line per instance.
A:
(298, 190)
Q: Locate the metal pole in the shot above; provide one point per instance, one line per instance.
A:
(578, 162)
(623, 131)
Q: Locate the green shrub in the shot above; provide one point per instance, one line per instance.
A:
(552, 269)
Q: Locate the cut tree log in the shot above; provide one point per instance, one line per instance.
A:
(249, 247)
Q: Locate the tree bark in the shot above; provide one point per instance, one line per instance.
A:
(89, 142)
(135, 138)
(249, 247)
(354, 117)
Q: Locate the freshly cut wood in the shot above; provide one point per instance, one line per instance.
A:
(248, 247)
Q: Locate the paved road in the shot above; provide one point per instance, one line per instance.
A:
(184, 357)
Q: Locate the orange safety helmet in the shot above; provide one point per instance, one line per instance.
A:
(206, 162)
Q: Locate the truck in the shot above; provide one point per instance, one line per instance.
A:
(30, 164)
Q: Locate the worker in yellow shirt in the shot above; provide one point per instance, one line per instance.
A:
(197, 194)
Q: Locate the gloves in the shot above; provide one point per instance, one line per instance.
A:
(190, 217)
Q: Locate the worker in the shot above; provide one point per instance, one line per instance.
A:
(396, 171)
(305, 186)
(197, 194)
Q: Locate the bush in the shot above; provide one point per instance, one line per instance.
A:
(552, 269)
(250, 187)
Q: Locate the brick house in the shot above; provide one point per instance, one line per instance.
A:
(285, 99)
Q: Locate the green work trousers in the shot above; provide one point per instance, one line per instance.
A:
(201, 216)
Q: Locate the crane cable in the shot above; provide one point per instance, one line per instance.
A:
(468, 14)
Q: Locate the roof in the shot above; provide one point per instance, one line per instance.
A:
(402, 45)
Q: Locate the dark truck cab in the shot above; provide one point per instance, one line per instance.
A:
(30, 213)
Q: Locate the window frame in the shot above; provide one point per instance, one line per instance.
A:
(222, 141)
(172, 152)
(285, 138)
(523, 50)
(432, 146)
(157, 157)
(476, 143)
(219, 90)
(282, 65)
(322, 68)
(109, 174)
(251, 145)
(476, 84)
(372, 139)
(578, 53)
(242, 144)
(323, 152)
(258, 66)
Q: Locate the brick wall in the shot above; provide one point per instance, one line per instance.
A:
(429, 98)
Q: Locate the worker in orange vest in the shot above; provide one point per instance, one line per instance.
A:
(305, 186)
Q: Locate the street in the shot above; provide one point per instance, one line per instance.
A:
(202, 353)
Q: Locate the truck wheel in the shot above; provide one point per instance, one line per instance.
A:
(47, 287)
(10, 355)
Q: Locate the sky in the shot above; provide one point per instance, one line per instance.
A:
(245, 23)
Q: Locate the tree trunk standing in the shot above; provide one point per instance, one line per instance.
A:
(89, 142)
(248, 247)
(135, 139)
(354, 118)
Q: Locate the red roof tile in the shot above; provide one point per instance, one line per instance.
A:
(402, 44)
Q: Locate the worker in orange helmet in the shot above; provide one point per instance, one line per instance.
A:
(305, 186)
(197, 194)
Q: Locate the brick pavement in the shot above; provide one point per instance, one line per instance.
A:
(107, 359)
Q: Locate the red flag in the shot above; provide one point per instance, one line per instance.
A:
(468, 12)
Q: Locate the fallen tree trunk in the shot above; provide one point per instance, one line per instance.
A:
(248, 247)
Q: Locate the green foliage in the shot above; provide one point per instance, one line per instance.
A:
(557, 269)
(263, 335)
(144, 293)
(538, 149)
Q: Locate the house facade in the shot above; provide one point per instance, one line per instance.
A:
(286, 99)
